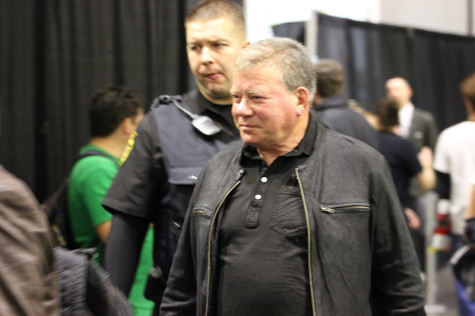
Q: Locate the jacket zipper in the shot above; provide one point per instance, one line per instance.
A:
(309, 242)
(355, 208)
(208, 268)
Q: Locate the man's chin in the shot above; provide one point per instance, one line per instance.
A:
(218, 95)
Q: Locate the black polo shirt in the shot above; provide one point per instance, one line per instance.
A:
(262, 262)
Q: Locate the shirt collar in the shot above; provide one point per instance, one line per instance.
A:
(407, 110)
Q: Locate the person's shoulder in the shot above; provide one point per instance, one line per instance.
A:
(164, 99)
(230, 151)
(423, 114)
(94, 165)
(452, 132)
(338, 144)
(342, 141)
(226, 157)
(13, 190)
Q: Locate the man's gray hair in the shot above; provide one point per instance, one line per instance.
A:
(288, 55)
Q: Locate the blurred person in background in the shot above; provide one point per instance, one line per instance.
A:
(405, 162)
(334, 109)
(454, 162)
(114, 114)
(419, 127)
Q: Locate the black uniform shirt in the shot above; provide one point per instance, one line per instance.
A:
(141, 180)
(262, 263)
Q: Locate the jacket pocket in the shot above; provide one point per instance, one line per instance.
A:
(345, 226)
(289, 218)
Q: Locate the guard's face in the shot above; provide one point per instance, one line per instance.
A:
(264, 111)
(211, 48)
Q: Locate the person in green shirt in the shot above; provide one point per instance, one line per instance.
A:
(114, 114)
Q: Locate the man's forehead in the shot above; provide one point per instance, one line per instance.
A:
(397, 83)
(221, 27)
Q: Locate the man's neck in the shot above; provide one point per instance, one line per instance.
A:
(111, 145)
(406, 105)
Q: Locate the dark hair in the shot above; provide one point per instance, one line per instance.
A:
(330, 77)
(387, 112)
(110, 106)
(214, 9)
(468, 89)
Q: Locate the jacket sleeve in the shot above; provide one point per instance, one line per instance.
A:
(397, 287)
(431, 133)
(180, 295)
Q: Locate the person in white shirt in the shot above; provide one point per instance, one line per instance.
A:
(454, 162)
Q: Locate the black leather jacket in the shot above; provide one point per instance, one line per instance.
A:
(361, 258)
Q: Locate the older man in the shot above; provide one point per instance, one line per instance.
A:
(298, 219)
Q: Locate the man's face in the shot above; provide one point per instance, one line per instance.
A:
(211, 48)
(398, 89)
(264, 111)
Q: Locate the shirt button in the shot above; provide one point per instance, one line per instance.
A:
(264, 179)
(258, 196)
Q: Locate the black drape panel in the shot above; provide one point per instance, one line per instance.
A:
(90, 43)
(370, 54)
(55, 54)
(434, 63)
(376, 53)
(333, 43)
(18, 74)
(441, 61)
(294, 30)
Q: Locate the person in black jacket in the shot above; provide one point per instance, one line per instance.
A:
(333, 108)
(297, 220)
(172, 143)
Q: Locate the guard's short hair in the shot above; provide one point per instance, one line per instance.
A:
(110, 106)
(214, 9)
(468, 89)
(330, 77)
(288, 55)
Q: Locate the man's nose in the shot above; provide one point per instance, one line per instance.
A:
(242, 108)
(206, 55)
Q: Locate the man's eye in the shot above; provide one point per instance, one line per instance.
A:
(194, 48)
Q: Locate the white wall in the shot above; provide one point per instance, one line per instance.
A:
(446, 16)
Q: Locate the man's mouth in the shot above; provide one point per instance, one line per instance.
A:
(212, 75)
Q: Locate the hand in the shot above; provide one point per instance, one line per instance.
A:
(425, 157)
(413, 221)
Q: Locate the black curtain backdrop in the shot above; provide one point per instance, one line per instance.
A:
(434, 63)
(55, 54)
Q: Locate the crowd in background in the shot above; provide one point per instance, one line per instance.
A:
(134, 165)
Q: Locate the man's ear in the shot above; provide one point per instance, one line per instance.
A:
(127, 126)
(302, 95)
